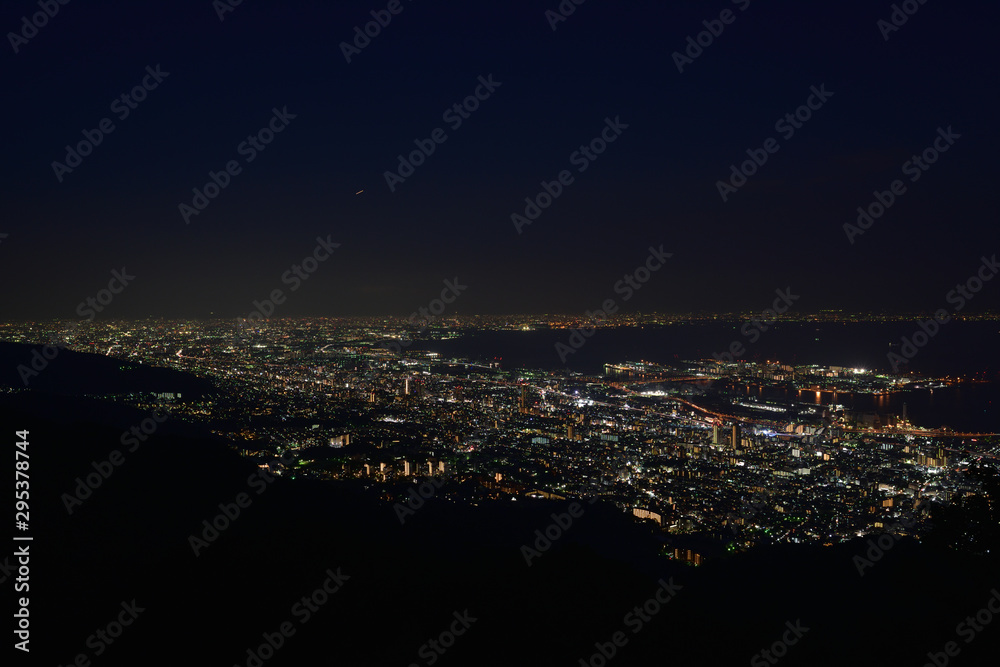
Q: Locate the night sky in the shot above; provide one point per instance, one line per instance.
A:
(655, 185)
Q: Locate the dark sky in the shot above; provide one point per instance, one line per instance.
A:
(656, 184)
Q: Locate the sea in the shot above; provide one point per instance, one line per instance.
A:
(959, 349)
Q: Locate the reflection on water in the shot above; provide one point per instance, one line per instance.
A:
(967, 408)
(971, 349)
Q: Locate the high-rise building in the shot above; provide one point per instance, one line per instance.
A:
(735, 440)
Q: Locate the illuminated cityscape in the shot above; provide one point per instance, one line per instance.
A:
(689, 446)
